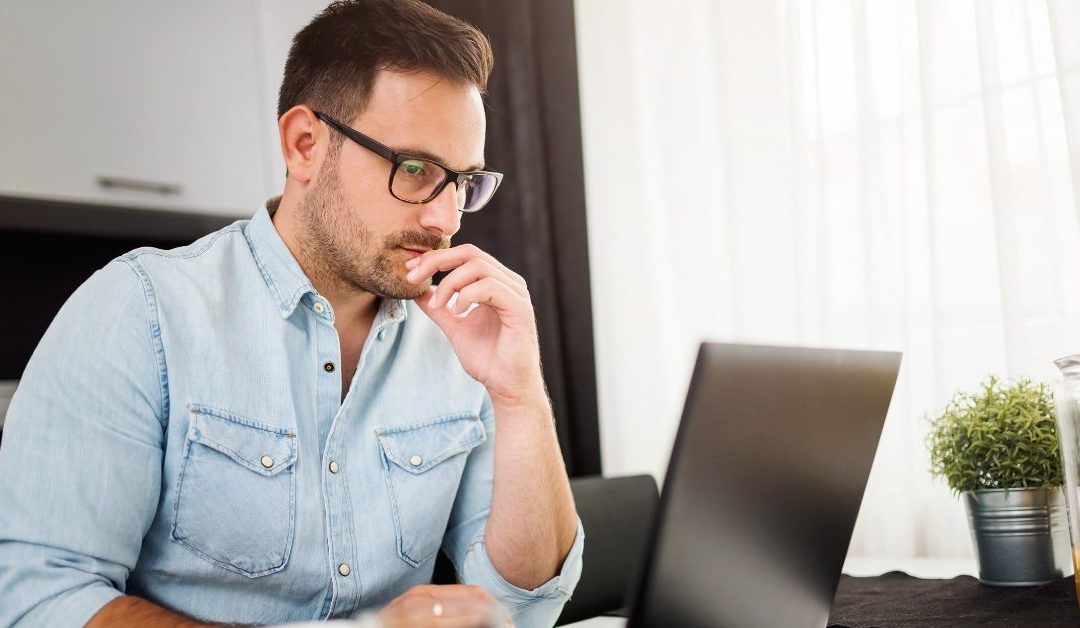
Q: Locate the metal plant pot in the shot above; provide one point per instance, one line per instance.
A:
(1021, 536)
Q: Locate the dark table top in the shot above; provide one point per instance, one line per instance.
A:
(897, 599)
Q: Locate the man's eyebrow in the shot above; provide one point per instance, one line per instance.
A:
(418, 152)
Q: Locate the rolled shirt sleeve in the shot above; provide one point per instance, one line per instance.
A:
(80, 465)
(464, 544)
(535, 608)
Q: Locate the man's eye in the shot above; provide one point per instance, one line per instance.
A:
(413, 168)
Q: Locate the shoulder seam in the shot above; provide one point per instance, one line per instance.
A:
(150, 298)
(132, 255)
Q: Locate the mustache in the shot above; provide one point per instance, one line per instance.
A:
(416, 239)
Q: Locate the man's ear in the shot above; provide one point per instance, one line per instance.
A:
(302, 140)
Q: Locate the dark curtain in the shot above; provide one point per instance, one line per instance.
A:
(536, 222)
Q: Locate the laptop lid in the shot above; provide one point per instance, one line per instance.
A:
(764, 484)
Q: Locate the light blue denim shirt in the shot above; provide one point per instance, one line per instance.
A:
(179, 435)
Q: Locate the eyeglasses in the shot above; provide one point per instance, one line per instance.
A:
(419, 180)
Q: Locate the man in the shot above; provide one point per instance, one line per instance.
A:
(285, 420)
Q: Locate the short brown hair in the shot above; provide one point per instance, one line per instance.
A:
(334, 60)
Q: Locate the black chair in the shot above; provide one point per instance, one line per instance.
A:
(617, 514)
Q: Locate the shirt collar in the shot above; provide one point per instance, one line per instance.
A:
(391, 312)
(279, 269)
(286, 279)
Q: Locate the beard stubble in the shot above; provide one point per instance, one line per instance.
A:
(341, 250)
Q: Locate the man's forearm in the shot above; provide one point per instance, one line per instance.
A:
(533, 522)
(134, 611)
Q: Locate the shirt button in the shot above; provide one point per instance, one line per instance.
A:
(333, 466)
(329, 367)
(266, 461)
(318, 307)
(343, 569)
(416, 461)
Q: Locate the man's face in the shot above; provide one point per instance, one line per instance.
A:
(357, 232)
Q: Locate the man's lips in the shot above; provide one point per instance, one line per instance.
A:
(413, 253)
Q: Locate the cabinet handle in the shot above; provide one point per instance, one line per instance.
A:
(117, 183)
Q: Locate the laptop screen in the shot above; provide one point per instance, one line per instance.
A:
(764, 485)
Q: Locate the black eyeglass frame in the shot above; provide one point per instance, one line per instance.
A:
(397, 158)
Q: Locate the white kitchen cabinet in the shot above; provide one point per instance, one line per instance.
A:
(136, 103)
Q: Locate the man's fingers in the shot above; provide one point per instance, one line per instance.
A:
(424, 267)
(429, 263)
(449, 590)
(464, 590)
(444, 606)
(467, 273)
(489, 292)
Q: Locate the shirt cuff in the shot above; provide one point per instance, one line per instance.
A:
(512, 597)
(75, 608)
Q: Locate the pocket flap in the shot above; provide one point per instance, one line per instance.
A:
(262, 448)
(416, 448)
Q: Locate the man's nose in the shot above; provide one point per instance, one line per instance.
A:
(441, 213)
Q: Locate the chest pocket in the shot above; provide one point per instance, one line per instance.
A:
(423, 464)
(236, 494)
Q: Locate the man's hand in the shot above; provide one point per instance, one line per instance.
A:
(492, 328)
(495, 341)
(438, 606)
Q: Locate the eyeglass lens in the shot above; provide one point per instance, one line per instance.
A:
(416, 180)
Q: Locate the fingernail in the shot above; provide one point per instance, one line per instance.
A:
(412, 262)
(413, 275)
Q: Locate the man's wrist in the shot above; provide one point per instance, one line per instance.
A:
(525, 399)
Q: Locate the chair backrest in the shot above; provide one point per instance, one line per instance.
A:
(617, 514)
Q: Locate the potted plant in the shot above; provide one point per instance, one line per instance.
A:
(998, 449)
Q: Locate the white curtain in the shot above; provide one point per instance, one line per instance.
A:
(869, 174)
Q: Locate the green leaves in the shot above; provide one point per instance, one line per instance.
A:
(1003, 436)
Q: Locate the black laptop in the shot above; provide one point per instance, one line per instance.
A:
(763, 487)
